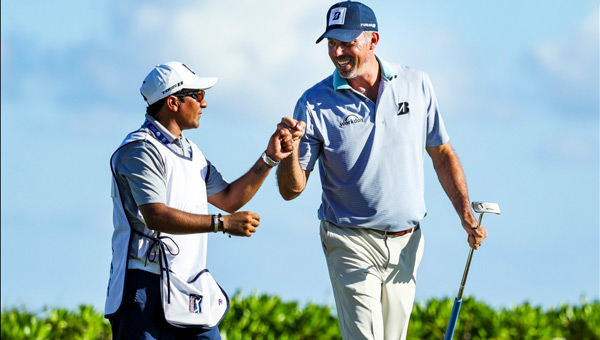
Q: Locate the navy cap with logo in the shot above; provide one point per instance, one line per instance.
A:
(347, 20)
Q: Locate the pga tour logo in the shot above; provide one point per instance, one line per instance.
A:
(195, 304)
(337, 16)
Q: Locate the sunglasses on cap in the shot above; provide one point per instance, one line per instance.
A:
(198, 95)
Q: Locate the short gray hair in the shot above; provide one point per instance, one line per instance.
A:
(366, 35)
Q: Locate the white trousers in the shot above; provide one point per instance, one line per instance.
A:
(373, 278)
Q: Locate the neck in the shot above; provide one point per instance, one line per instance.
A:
(172, 126)
(169, 123)
(368, 82)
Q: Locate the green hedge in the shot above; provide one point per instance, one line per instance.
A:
(264, 317)
(84, 323)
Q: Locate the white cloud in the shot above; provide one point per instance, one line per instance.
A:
(54, 25)
(569, 67)
(266, 57)
(439, 49)
(569, 148)
(576, 148)
(232, 38)
(571, 60)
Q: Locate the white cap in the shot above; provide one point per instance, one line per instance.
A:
(166, 79)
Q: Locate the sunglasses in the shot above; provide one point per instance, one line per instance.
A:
(198, 95)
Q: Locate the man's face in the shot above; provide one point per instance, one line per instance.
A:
(349, 57)
(190, 111)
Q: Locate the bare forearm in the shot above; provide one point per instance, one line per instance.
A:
(244, 188)
(162, 218)
(291, 179)
(452, 178)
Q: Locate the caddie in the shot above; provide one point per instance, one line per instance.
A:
(159, 285)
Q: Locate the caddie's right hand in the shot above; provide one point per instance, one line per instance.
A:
(241, 223)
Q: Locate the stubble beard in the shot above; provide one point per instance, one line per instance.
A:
(349, 74)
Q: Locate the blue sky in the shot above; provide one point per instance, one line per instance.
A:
(517, 83)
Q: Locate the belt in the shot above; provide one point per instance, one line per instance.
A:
(403, 232)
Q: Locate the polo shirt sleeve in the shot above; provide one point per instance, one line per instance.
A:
(215, 183)
(140, 169)
(311, 143)
(436, 131)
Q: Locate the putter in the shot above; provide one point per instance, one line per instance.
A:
(481, 208)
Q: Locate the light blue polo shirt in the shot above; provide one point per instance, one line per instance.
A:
(371, 155)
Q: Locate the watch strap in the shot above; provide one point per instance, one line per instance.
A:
(270, 162)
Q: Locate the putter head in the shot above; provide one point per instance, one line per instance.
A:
(486, 207)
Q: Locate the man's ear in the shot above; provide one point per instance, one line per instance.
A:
(374, 40)
(173, 103)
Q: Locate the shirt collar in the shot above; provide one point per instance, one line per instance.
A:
(340, 83)
(170, 137)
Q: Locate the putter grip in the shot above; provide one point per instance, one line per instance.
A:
(453, 319)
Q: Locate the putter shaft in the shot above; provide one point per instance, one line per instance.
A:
(468, 265)
(482, 208)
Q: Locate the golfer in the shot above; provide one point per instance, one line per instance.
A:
(369, 125)
(159, 287)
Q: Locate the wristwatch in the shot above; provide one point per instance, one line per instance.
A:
(221, 223)
(215, 223)
(270, 162)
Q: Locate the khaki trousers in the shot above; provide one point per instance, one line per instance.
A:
(373, 276)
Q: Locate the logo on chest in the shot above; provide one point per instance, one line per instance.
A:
(353, 114)
(351, 119)
(403, 108)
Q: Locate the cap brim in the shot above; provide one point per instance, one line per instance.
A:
(340, 34)
(203, 83)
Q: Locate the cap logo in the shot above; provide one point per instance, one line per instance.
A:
(172, 87)
(337, 16)
(189, 69)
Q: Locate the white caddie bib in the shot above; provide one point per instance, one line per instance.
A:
(190, 295)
